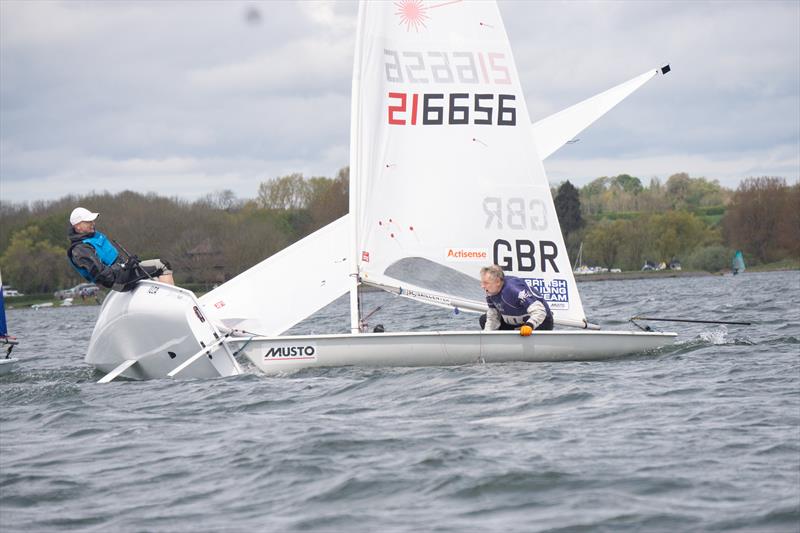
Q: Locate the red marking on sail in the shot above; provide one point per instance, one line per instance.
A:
(483, 68)
(412, 13)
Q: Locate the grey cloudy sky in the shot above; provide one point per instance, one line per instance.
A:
(186, 98)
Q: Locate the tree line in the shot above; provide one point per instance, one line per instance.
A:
(620, 222)
(207, 241)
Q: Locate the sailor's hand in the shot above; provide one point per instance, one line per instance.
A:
(526, 330)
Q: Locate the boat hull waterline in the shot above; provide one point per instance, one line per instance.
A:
(274, 355)
(7, 365)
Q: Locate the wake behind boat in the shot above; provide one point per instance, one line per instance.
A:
(445, 179)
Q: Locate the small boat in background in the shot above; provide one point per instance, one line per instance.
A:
(7, 363)
(737, 265)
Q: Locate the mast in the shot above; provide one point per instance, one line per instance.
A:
(579, 261)
(355, 171)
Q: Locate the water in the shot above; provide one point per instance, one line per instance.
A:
(703, 436)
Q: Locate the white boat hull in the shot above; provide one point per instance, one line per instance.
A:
(8, 365)
(159, 327)
(274, 355)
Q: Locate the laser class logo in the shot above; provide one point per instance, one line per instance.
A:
(414, 13)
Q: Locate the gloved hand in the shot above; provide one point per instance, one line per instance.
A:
(526, 330)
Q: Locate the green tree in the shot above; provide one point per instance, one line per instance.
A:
(604, 242)
(288, 192)
(679, 233)
(330, 199)
(34, 265)
(591, 196)
(636, 242)
(629, 184)
(757, 213)
(712, 258)
(568, 208)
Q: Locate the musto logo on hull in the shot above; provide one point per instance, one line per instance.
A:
(291, 352)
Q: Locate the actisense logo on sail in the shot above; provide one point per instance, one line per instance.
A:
(290, 352)
(461, 69)
(461, 255)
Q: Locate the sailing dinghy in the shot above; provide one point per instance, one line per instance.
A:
(7, 342)
(444, 180)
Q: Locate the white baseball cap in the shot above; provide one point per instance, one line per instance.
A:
(81, 214)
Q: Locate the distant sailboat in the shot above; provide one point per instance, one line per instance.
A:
(737, 265)
(7, 363)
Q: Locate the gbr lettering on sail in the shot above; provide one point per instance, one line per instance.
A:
(520, 255)
(430, 107)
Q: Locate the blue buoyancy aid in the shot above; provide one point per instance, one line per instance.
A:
(103, 247)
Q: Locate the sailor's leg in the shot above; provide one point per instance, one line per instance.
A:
(506, 326)
(158, 269)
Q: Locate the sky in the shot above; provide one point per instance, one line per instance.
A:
(187, 98)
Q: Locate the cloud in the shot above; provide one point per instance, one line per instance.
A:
(186, 98)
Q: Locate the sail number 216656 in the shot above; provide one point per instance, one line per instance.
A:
(453, 109)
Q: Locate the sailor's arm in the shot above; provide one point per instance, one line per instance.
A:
(537, 314)
(492, 320)
(85, 257)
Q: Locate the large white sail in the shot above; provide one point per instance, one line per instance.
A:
(554, 131)
(287, 287)
(443, 175)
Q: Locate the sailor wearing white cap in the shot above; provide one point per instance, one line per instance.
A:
(104, 261)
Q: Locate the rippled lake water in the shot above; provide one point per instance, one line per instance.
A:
(702, 436)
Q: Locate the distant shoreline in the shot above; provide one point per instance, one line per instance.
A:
(623, 276)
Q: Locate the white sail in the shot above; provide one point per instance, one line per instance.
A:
(443, 176)
(242, 306)
(553, 132)
(287, 287)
